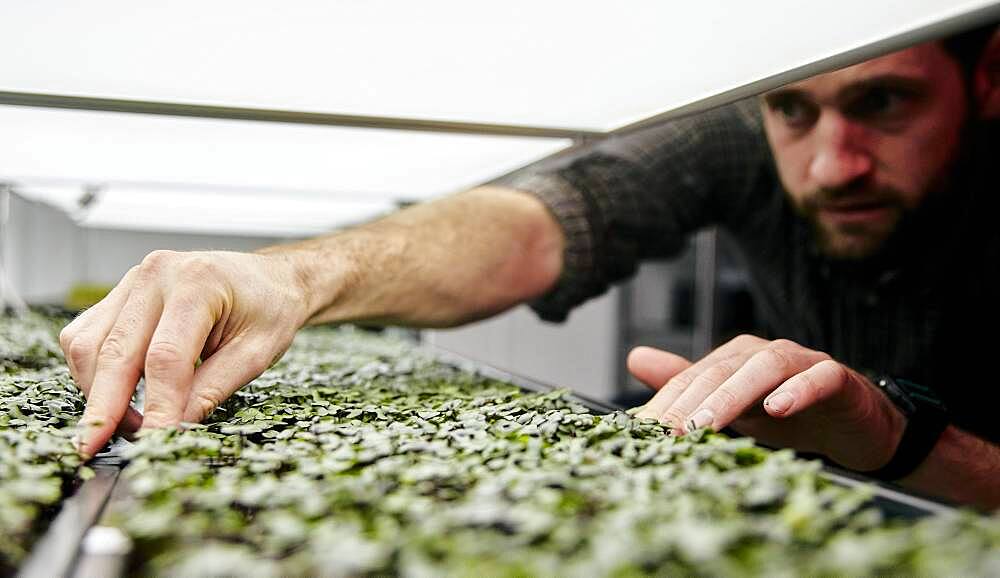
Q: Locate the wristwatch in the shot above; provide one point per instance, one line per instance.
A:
(926, 418)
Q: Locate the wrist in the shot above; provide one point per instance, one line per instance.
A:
(306, 277)
(313, 275)
(925, 417)
(349, 276)
(868, 427)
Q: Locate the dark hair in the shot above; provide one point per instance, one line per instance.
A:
(966, 47)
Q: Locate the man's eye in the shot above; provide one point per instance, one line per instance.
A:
(793, 112)
(878, 103)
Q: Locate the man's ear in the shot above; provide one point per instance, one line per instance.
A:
(986, 80)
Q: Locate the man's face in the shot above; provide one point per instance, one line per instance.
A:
(859, 148)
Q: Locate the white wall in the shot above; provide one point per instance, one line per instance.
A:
(109, 254)
(47, 253)
(42, 251)
(582, 353)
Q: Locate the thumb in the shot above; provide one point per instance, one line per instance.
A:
(655, 367)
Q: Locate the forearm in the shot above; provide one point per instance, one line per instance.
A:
(442, 263)
(962, 468)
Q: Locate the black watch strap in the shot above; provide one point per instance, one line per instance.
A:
(926, 419)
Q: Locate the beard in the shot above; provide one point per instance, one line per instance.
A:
(943, 212)
(853, 224)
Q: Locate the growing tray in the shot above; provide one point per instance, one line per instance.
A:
(892, 501)
(78, 542)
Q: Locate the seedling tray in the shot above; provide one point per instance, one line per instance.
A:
(83, 540)
(67, 549)
(890, 500)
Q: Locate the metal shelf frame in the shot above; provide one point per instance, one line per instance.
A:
(44, 100)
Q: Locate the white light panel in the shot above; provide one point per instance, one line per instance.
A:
(586, 64)
(226, 213)
(62, 195)
(82, 147)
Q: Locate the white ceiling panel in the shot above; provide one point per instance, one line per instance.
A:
(220, 213)
(78, 146)
(585, 64)
(65, 196)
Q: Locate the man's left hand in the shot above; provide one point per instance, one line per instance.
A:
(779, 392)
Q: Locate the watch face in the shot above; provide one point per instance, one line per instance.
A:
(897, 395)
(920, 394)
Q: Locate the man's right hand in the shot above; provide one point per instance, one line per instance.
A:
(436, 264)
(237, 312)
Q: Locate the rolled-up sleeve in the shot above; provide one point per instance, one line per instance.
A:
(639, 196)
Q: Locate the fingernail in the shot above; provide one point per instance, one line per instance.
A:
(701, 418)
(80, 447)
(779, 402)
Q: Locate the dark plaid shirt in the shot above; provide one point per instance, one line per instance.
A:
(641, 195)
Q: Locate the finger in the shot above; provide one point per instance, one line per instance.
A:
(679, 412)
(81, 339)
(118, 366)
(806, 389)
(237, 363)
(188, 318)
(657, 407)
(761, 374)
(127, 427)
(655, 367)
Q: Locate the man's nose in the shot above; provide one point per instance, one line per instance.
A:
(841, 157)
